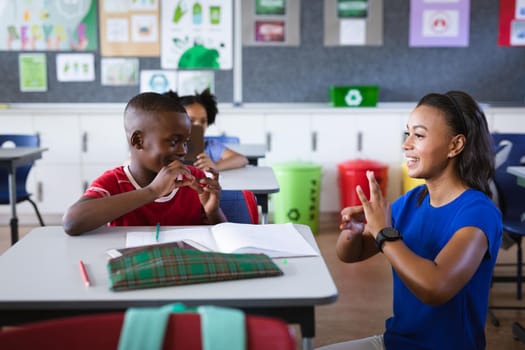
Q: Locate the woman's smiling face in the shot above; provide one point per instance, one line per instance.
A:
(428, 142)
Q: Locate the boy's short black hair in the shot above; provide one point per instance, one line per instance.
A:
(152, 101)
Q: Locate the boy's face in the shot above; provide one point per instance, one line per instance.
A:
(164, 140)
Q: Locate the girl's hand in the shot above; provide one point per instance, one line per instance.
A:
(377, 209)
(204, 162)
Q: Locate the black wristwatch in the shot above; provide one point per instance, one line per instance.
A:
(387, 234)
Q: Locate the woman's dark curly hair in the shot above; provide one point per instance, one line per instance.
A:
(206, 99)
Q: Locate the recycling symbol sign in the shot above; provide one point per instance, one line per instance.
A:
(293, 214)
(353, 97)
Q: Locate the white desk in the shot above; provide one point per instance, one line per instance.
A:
(252, 151)
(519, 171)
(40, 279)
(12, 158)
(260, 180)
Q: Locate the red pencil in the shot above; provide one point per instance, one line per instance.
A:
(85, 276)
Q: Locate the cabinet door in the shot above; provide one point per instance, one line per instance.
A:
(16, 123)
(60, 134)
(382, 137)
(511, 121)
(58, 187)
(335, 138)
(288, 138)
(57, 175)
(248, 127)
(103, 139)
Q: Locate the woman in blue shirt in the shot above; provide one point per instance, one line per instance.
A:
(202, 110)
(441, 238)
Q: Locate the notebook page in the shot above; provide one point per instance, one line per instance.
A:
(275, 240)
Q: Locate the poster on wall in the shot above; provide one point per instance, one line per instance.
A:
(32, 72)
(353, 22)
(129, 28)
(196, 34)
(159, 81)
(60, 25)
(511, 23)
(75, 67)
(192, 82)
(119, 71)
(271, 23)
(439, 23)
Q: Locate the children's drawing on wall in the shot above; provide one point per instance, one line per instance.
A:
(129, 28)
(119, 71)
(159, 81)
(32, 72)
(193, 82)
(197, 34)
(75, 67)
(439, 23)
(59, 25)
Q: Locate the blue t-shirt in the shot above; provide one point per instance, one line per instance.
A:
(214, 149)
(459, 323)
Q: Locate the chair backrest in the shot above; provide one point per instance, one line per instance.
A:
(240, 206)
(102, 332)
(224, 139)
(11, 140)
(510, 151)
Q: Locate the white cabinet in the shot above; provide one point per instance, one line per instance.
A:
(288, 138)
(103, 147)
(510, 120)
(58, 171)
(249, 127)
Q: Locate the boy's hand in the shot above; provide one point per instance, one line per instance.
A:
(209, 190)
(170, 177)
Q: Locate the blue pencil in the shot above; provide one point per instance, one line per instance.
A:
(157, 232)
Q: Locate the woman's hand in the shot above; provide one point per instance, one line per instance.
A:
(377, 209)
(352, 220)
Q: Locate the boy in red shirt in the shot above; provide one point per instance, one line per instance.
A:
(156, 187)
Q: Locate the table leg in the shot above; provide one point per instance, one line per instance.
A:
(308, 344)
(12, 202)
(262, 200)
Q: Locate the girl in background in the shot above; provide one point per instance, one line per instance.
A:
(202, 110)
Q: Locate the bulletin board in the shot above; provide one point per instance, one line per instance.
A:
(299, 74)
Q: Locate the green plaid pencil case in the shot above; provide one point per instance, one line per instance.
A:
(168, 265)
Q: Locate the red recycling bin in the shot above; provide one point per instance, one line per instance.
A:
(353, 173)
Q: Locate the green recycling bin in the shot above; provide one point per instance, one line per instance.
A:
(298, 198)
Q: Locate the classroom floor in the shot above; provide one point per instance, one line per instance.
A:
(365, 296)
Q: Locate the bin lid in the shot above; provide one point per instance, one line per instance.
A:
(362, 164)
(296, 166)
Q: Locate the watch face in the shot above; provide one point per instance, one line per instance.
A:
(390, 233)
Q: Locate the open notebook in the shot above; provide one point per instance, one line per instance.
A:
(274, 240)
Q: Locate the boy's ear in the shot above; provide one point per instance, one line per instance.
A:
(136, 139)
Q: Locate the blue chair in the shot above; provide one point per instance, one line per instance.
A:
(21, 172)
(510, 151)
(240, 206)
